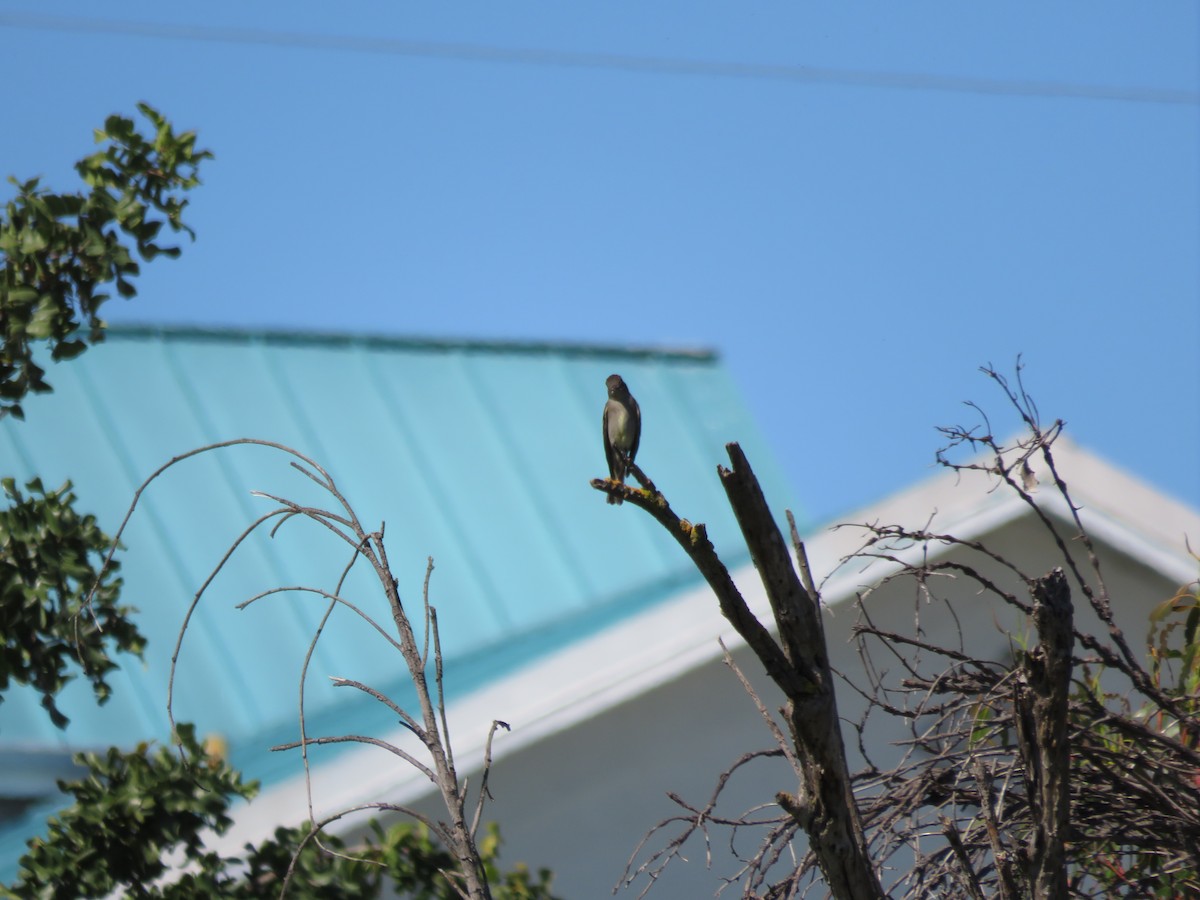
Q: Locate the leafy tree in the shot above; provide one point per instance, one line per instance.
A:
(127, 814)
(61, 250)
(47, 570)
(139, 818)
(57, 254)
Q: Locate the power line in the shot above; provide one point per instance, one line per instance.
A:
(603, 61)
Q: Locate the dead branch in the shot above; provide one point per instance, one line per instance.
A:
(1047, 754)
(429, 724)
(798, 663)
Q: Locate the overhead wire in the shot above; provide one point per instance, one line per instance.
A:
(462, 52)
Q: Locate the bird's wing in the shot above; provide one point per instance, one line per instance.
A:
(608, 447)
(635, 413)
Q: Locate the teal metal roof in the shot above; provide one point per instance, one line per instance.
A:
(477, 454)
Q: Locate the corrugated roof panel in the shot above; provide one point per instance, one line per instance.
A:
(462, 458)
(479, 455)
(305, 396)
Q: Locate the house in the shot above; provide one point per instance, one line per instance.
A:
(477, 455)
(609, 674)
(612, 723)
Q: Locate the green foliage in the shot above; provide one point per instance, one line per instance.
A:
(138, 820)
(59, 250)
(1175, 670)
(49, 561)
(403, 854)
(1175, 654)
(403, 858)
(128, 814)
(56, 253)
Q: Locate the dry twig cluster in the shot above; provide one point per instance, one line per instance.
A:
(1065, 768)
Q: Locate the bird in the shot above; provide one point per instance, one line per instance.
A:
(622, 430)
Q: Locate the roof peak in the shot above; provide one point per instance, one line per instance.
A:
(334, 338)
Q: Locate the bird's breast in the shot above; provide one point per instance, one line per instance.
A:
(620, 434)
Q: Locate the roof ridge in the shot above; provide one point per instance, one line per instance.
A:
(136, 330)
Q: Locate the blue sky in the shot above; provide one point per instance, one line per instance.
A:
(913, 190)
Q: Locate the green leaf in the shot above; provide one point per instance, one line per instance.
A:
(45, 318)
(68, 349)
(33, 242)
(20, 294)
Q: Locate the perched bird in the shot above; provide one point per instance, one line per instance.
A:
(622, 430)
